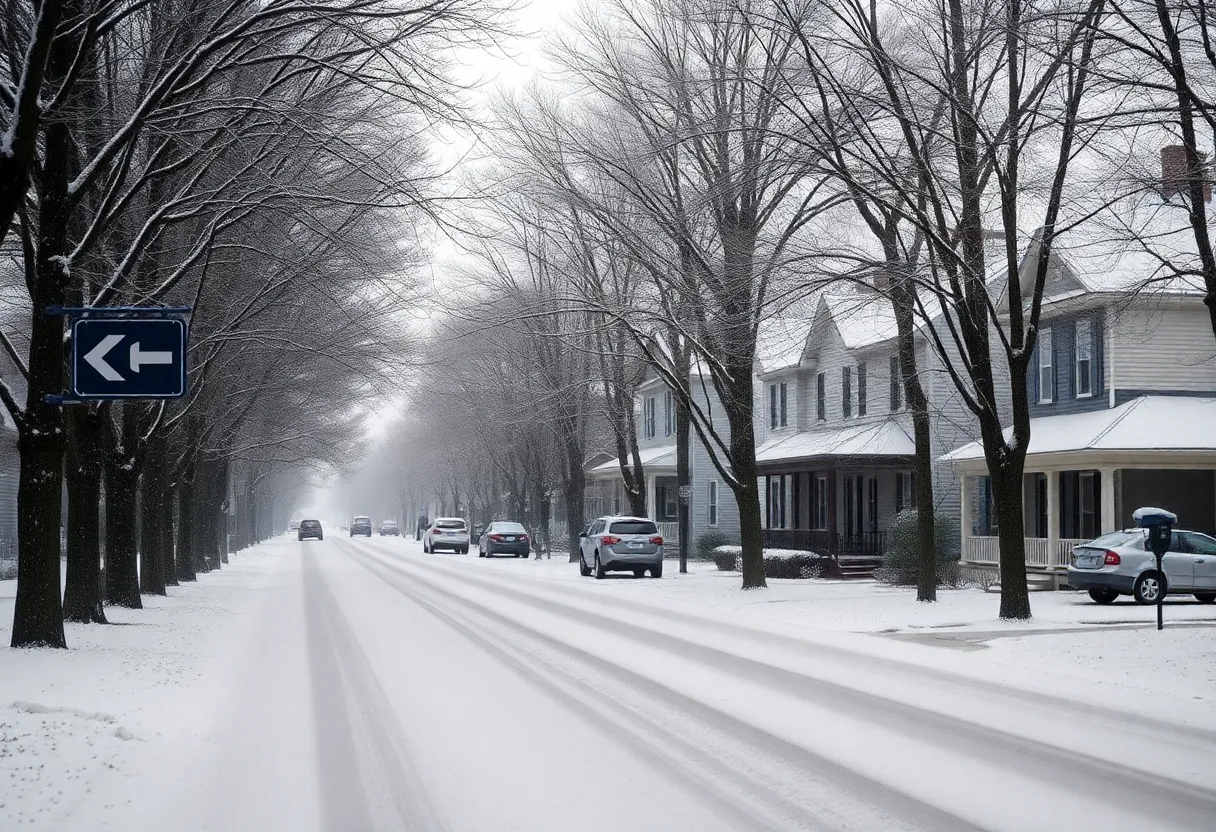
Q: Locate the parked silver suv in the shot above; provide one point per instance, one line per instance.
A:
(1120, 563)
(621, 544)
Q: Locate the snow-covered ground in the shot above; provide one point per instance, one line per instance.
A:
(352, 685)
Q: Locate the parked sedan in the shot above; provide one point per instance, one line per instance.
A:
(389, 527)
(446, 533)
(621, 544)
(311, 529)
(1120, 563)
(504, 538)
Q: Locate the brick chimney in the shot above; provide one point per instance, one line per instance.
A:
(1174, 172)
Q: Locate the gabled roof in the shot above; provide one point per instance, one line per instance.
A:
(782, 335)
(1147, 423)
(885, 438)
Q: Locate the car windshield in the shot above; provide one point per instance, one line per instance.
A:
(633, 527)
(1131, 537)
(449, 524)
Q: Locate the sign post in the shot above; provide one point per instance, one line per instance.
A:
(129, 352)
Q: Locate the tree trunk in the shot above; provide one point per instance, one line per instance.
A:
(152, 511)
(684, 478)
(185, 526)
(82, 601)
(1007, 500)
(122, 570)
(38, 608)
(167, 531)
(903, 302)
(738, 406)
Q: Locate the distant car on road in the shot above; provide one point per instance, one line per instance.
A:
(621, 544)
(389, 527)
(361, 525)
(504, 538)
(311, 529)
(1120, 563)
(446, 533)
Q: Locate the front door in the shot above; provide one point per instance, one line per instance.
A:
(854, 506)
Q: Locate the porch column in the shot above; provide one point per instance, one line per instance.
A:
(964, 514)
(1053, 515)
(1109, 518)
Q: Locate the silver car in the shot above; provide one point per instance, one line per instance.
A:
(621, 544)
(1120, 563)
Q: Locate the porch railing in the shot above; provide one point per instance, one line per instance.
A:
(865, 544)
(1038, 551)
(670, 532)
(1063, 551)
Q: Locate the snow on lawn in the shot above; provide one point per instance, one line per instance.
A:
(83, 726)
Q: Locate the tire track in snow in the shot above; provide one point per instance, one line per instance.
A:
(992, 692)
(342, 676)
(881, 807)
(1186, 805)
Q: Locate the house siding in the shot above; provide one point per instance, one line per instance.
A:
(1168, 347)
(1063, 337)
(704, 470)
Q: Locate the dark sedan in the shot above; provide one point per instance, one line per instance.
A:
(503, 538)
(361, 525)
(311, 529)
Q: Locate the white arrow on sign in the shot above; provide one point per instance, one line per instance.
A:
(155, 357)
(96, 358)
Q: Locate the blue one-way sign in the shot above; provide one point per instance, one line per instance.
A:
(129, 358)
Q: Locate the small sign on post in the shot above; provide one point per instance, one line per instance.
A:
(686, 493)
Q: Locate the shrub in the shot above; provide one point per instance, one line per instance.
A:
(8, 570)
(727, 558)
(708, 543)
(899, 562)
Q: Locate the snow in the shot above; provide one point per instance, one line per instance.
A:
(1159, 423)
(664, 455)
(359, 684)
(782, 554)
(883, 438)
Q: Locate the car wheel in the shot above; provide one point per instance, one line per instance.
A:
(640, 572)
(600, 571)
(426, 549)
(1148, 588)
(320, 537)
(1206, 597)
(583, 568)
(1103, 596)
(656, 571)
(464, 550)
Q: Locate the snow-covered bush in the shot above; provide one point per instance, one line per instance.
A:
(708, 542)
(8, 570)
(778, 563)
(899, 562)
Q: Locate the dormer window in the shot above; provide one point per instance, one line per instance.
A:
(778, 408)
(821, 398)
(861, 388)
(648, 425)
(846, 391)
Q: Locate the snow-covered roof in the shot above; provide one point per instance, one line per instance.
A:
(663, 456)
(885, 438)
(782, 335)
(862, 318)
(1166, 423)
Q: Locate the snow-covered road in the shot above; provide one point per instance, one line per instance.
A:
(378, 688)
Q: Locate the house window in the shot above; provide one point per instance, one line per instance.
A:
(668, 414)
(1088, 504)
(1085, 364)
(821, 400)
(846, 391)
(896, 386)
(872, 507)
(772, 407)
(1047, 376)
(861, 389)
(776, 502)
(784, 399)
(648, 430)
(821, 503)
(713, 502)
(905, 491)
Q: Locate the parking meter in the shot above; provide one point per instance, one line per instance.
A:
(1160, 524)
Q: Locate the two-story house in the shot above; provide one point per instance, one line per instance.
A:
(1122, 392)
(836, 448)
